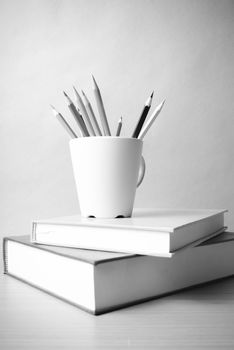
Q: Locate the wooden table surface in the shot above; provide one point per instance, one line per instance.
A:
(199, 318)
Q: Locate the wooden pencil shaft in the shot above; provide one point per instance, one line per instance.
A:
(66, 126)
(79, 121)
(77, 116)
(84, 114)
(141, 121)
(87, 121)
(93, 118)
(102, 112)
(91, 114)
(143, 116)
(119, 128)
(101, 109)
(151, 120)
(82, 120)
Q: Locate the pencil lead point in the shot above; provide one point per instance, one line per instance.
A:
(94, 81)
(54, 110)
(86, 100)
(77, 96)
(152, 94)
(68, 98)
(162, 104)
(75, 90)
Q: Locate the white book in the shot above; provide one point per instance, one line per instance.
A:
(100, 282)
(157, 232)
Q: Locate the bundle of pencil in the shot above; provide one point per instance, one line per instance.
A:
(87, 122)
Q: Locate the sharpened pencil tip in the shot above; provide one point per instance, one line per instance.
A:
(94, 82)
(85, 97)
(68, 98)
(160, 106)
(75, 90)
(149, 100)
(54, 110)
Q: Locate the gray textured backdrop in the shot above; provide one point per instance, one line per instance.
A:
(182, 49)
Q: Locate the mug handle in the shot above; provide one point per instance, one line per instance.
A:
(141, 171)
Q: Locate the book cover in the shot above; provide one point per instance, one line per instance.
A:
(99, 282)
(157, 232)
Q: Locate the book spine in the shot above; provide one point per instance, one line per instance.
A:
(5, 255)
(33, 235)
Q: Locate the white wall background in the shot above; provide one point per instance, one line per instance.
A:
(183, 49)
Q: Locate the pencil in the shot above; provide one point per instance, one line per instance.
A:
(101, 110)
(77, 116)
(64, 123)
(84, 113)
(151, 120)
(120, 123)
(91, 114)
(143, 116)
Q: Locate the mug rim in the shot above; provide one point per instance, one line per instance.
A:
(104, 138)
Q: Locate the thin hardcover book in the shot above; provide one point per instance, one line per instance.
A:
(99, 282)
(156, 232)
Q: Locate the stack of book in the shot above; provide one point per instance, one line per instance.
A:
(101, 265)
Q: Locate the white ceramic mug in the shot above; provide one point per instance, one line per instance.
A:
(107, 171)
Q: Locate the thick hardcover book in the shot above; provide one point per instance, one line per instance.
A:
(99, 282)
(156, 232)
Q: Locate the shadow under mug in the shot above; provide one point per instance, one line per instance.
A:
(107, 171)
